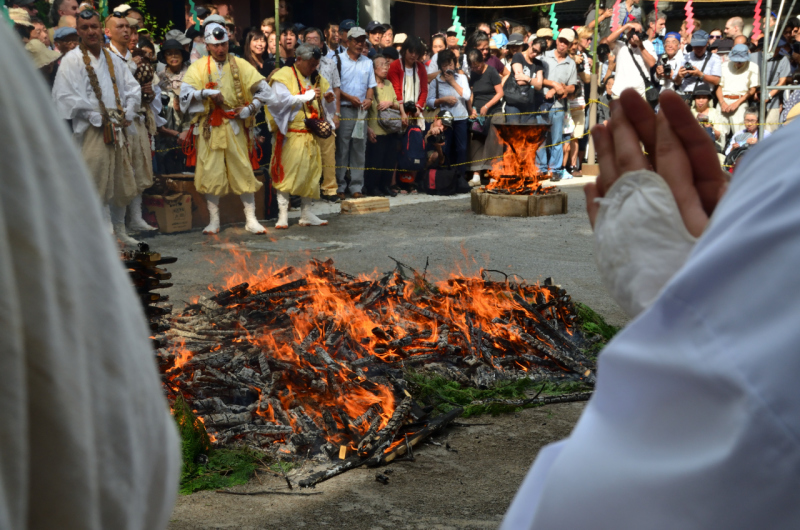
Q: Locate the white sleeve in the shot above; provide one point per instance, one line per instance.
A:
(329, 108)
(157, 106)
(131, 87)
(466, 92)
(640, 239)
(433, 66)
(285, 106)
(192, 100)
(263, 95)
(70, 95)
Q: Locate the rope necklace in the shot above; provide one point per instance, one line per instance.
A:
(98, 93)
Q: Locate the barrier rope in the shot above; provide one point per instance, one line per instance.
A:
(482, 7)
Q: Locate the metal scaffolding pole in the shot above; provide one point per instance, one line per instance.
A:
(591, 167)
(764, 92)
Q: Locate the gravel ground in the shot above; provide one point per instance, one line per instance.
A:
(470, 488)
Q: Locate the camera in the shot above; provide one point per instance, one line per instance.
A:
(410, 108)
(603, 51)
(796, 78)
(664, 60)
(626, 37)
(450, 72)
(437, 138)
(688, 66)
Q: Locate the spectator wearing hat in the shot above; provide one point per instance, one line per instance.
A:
(705, 66)
(746, 133)
(382, 146)
(547, 34)
(666, 71)
(175, 59)
(708, 116)
(358, 85)
(451, 36)
(39, 32)
(44, 59)
(375, 31)
(450, 91)
(737, 85)
(561, 76)
(344, 27)
(399, 40)
(65, 39)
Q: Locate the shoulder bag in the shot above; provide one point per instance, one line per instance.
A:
(650, 91)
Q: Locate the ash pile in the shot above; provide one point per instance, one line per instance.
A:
(309, 364)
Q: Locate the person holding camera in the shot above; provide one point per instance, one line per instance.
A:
(779, 72)
(699, 66)
(450, 91)
(709, 117)
(670, 61)
(635, 56)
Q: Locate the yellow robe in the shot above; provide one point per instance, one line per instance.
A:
(223, 160)
(301, 158)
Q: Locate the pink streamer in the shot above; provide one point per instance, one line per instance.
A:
(689, 17)
(615, 16)
(757, 22)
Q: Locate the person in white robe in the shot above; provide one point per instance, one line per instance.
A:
(76, 99)
(694, 422)
(86, 439)
(118, 30)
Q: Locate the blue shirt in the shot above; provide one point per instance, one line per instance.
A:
(357, 76)
(658, 46)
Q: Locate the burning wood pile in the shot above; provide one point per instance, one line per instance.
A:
(516, 173)
(310, 362)
(147, 276)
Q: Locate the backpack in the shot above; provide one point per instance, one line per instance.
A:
(440, 181)
(412, 151)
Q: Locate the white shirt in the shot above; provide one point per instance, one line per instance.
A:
(626, 74)
(459, 110)
(86, 439)
(694, 423)
(712, 67)
(75, 99)
(737, 81)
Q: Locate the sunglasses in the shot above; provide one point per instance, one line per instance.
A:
(712, 37)
(86, 14)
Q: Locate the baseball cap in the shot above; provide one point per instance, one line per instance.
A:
(517, 39)
(178, 35)
(215, 34)
(568, 34)
(699, 38)
(216, 19)
(673, 35)
(702, 89)
(356, 32)
(447, 117)
(122, 8)
(400, 38)
(739, 54)
(544, 32)
(347, 25)
(202, 12)
(63, 33)
(453, 30)
(375, 27)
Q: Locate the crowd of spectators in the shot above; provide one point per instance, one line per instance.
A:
(456, 89)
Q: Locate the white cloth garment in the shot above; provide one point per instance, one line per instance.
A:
(86, 440)
(640, 239)
(75, 99)
(694, 423)
(284, 106)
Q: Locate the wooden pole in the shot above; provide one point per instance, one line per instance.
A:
(591, 168)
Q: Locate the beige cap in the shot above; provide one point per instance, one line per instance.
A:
(400, 38)
(122, 8)
(19, 16)
(568, 34)
(356, 33)
(544, 32)
(132, 21)
(42, 55)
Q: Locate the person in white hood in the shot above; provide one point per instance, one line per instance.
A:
(694, 422)
(86, 439)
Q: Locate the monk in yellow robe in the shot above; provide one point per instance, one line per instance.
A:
(298, 93)
(224, 94)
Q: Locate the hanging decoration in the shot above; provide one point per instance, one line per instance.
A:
(615, 16)
(458, 26)
(4, 10)
(553, 21)
(655, 8)
(689, 17)
(104, 8)
(756, 23)
(193, 11)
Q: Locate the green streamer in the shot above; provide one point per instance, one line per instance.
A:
(104, 8)
(193, 11)
(459, 28)
(553, 21)
(4, 9)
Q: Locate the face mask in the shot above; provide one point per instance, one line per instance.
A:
(662, 32)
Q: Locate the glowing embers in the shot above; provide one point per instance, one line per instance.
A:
(311, 362)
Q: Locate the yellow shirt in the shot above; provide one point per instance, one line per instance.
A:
(384, 93)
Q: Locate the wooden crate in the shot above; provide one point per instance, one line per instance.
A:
(365, 205)
(230, 207)
(518, 205)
